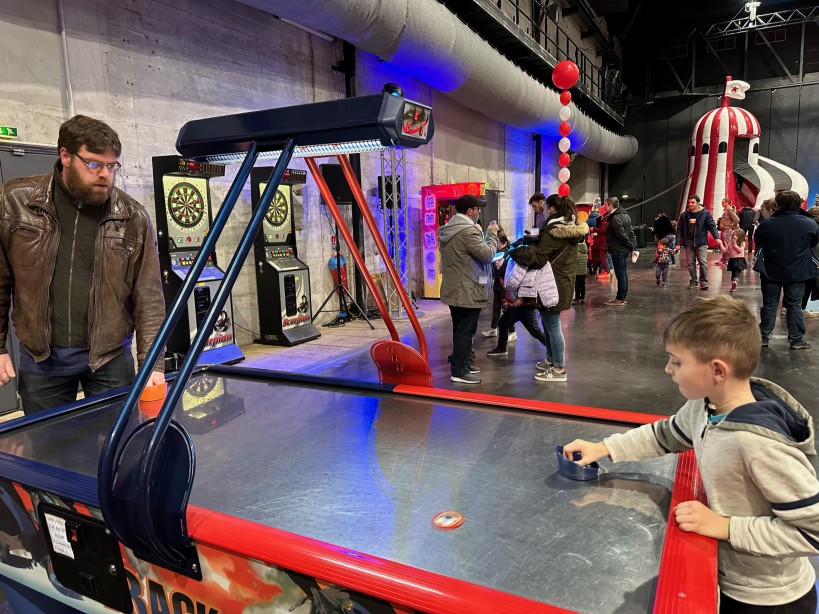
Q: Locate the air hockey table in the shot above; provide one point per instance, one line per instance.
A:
(318, 496)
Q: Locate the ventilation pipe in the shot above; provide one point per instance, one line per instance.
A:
(425, 40)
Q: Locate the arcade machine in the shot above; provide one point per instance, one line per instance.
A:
(438, 202)
(282, 280)
(183, 220)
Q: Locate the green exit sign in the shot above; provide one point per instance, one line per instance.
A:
(8, 132)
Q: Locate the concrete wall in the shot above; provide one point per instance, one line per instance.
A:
(147, 66)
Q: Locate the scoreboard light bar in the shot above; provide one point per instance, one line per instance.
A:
(304, 151)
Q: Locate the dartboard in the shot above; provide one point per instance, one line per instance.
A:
(186, 205)
(277, 212)
(201, 385)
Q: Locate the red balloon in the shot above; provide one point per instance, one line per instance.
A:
(565, 128)
(565, 74)
(564, 160)
(563, 189)
(565, 97)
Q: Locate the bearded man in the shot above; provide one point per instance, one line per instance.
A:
(78, 257)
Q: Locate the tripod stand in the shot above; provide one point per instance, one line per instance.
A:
(345, 313)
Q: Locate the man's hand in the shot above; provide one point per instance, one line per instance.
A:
(157, 378)
(694, 517)
(493, 227)
(6, 369)
(589, 451)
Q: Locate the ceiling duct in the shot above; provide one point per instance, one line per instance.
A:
(425, 40)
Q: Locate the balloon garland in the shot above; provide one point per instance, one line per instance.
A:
(565, 76)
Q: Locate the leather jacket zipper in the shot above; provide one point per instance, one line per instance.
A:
(71, 271)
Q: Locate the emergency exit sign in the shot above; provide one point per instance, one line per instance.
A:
(8, 132)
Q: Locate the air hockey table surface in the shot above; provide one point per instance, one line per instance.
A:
(366, 470)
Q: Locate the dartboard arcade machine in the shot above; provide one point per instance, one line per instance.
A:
(330, 496)
(282, 280)
(183, 220)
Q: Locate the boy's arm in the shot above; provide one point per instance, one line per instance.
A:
(646, 441)
(785, 478)
(650, 440)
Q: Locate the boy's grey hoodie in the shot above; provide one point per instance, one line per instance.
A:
(756, 469)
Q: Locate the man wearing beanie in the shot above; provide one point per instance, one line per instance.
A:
(465, 279)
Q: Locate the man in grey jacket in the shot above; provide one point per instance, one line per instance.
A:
(465, 279)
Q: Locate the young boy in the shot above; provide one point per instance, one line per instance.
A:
(752, 442)
(662, 260)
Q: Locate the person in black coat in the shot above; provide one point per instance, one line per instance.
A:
(622, 244)
(784, 262)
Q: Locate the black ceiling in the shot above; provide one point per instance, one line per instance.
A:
(675, 17)
(645, 27)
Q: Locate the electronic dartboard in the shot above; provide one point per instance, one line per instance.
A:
(186, 205)
(278, 219)
(186, 208)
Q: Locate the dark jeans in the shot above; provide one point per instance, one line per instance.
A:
(804, 605)
(464, 325)
(619, 260)
(661, 272)
(579, 287)
(40, 392)
(497, 299)
(526, 316)
(791, 300)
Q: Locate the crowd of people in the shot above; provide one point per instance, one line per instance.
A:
(544, 272)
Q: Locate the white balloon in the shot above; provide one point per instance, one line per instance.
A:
(564, 174)
(565, 113)
(564, 144)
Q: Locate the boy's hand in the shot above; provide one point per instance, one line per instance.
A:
(589, 451)
(694, 517)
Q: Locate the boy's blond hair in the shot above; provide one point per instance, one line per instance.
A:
(718, 328)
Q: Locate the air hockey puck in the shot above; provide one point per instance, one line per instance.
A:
(448, 520)
(573, 471)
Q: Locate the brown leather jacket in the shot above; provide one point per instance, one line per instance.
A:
(126, 291)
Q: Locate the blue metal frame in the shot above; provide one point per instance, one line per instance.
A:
(147, 537)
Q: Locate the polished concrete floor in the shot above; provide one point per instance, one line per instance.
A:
(615, 356)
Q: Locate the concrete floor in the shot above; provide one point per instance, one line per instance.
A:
(615, 356)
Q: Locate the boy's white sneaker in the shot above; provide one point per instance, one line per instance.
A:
(492, 332)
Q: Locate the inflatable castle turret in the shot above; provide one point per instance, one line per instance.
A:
(724, 160)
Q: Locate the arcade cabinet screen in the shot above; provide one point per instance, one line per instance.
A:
(416, 120)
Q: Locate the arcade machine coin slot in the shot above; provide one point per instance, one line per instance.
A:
(183, 220)
(85, 556)
(282, 280)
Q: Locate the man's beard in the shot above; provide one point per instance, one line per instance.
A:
(96, 192)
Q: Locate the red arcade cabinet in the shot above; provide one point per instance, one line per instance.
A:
(438, 205)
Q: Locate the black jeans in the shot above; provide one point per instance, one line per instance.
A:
(580, 287)
(619, 260)
(464, 325)
(497, 301)
(791, 300)
(526, 316)
(40, 392)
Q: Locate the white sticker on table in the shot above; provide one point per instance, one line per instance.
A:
(59, 539)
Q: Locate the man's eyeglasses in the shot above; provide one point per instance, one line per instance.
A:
(98, 166)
